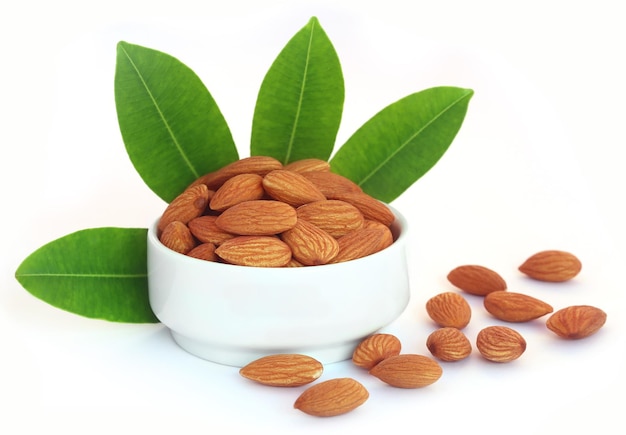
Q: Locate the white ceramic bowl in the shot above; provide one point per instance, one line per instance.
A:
(235, 314)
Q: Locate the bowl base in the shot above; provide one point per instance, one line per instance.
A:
(239, 357)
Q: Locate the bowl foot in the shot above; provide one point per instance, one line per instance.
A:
(240, 356)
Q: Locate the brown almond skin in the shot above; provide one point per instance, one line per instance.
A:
(500, 344)
(449, 309)
(374, 349)
(370, 207)
(388, 238)
(576, 321)
(308, 165)
(204, 251)
(177, 237)
(551, 266)
(256, 251)
(259, 165)
(335, 217)
(330, 184)
(310, 245)
(283, 370)
(189, 204)
(257, 218)
(476, 280)
(449, 344)
(240, 188)
(407, 371)
(333, 397)
(291, 187)
(515, 307)
(204, 229)
(359, 243)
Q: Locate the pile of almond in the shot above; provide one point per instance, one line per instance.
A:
(380, 354)
(258, 212)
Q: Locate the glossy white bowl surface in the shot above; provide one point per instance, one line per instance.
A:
(234, 314)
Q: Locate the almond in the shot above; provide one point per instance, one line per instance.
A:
(576, 321)
(330, 184)
(449, 309)
(374, 349)
(500, 344)
(257, 218)
(449, 344)
(359, 243)
(205, 229)
(407, 371)
(388, 239)
(240, 188)
(189, 204)
(333, 397)
(552, 266)
(370, 207)
(476, 280)
(177, 237)
(310, 245)
(335, 217)
(283, 370)
(291, 187)
(258, 251)
(308, 165)
(515, 307)
(259, 165)
(204, 251)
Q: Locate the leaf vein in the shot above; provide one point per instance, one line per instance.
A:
(408, 141)
(162, 116)
(300, 96)
(85, 275)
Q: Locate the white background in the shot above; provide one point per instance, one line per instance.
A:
(538, 164)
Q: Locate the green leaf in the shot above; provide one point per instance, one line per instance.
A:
(173, 130)
(403, 141)
(299, 106)
(98, 273)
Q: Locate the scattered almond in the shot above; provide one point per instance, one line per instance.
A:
(515, 307)
(407, 371)
(374, 349)
(449, 309)
(576, 321)
(500, 344)
(333, 397)
(449, 344)
(283, 370)
(476, 280)
(552, 266)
